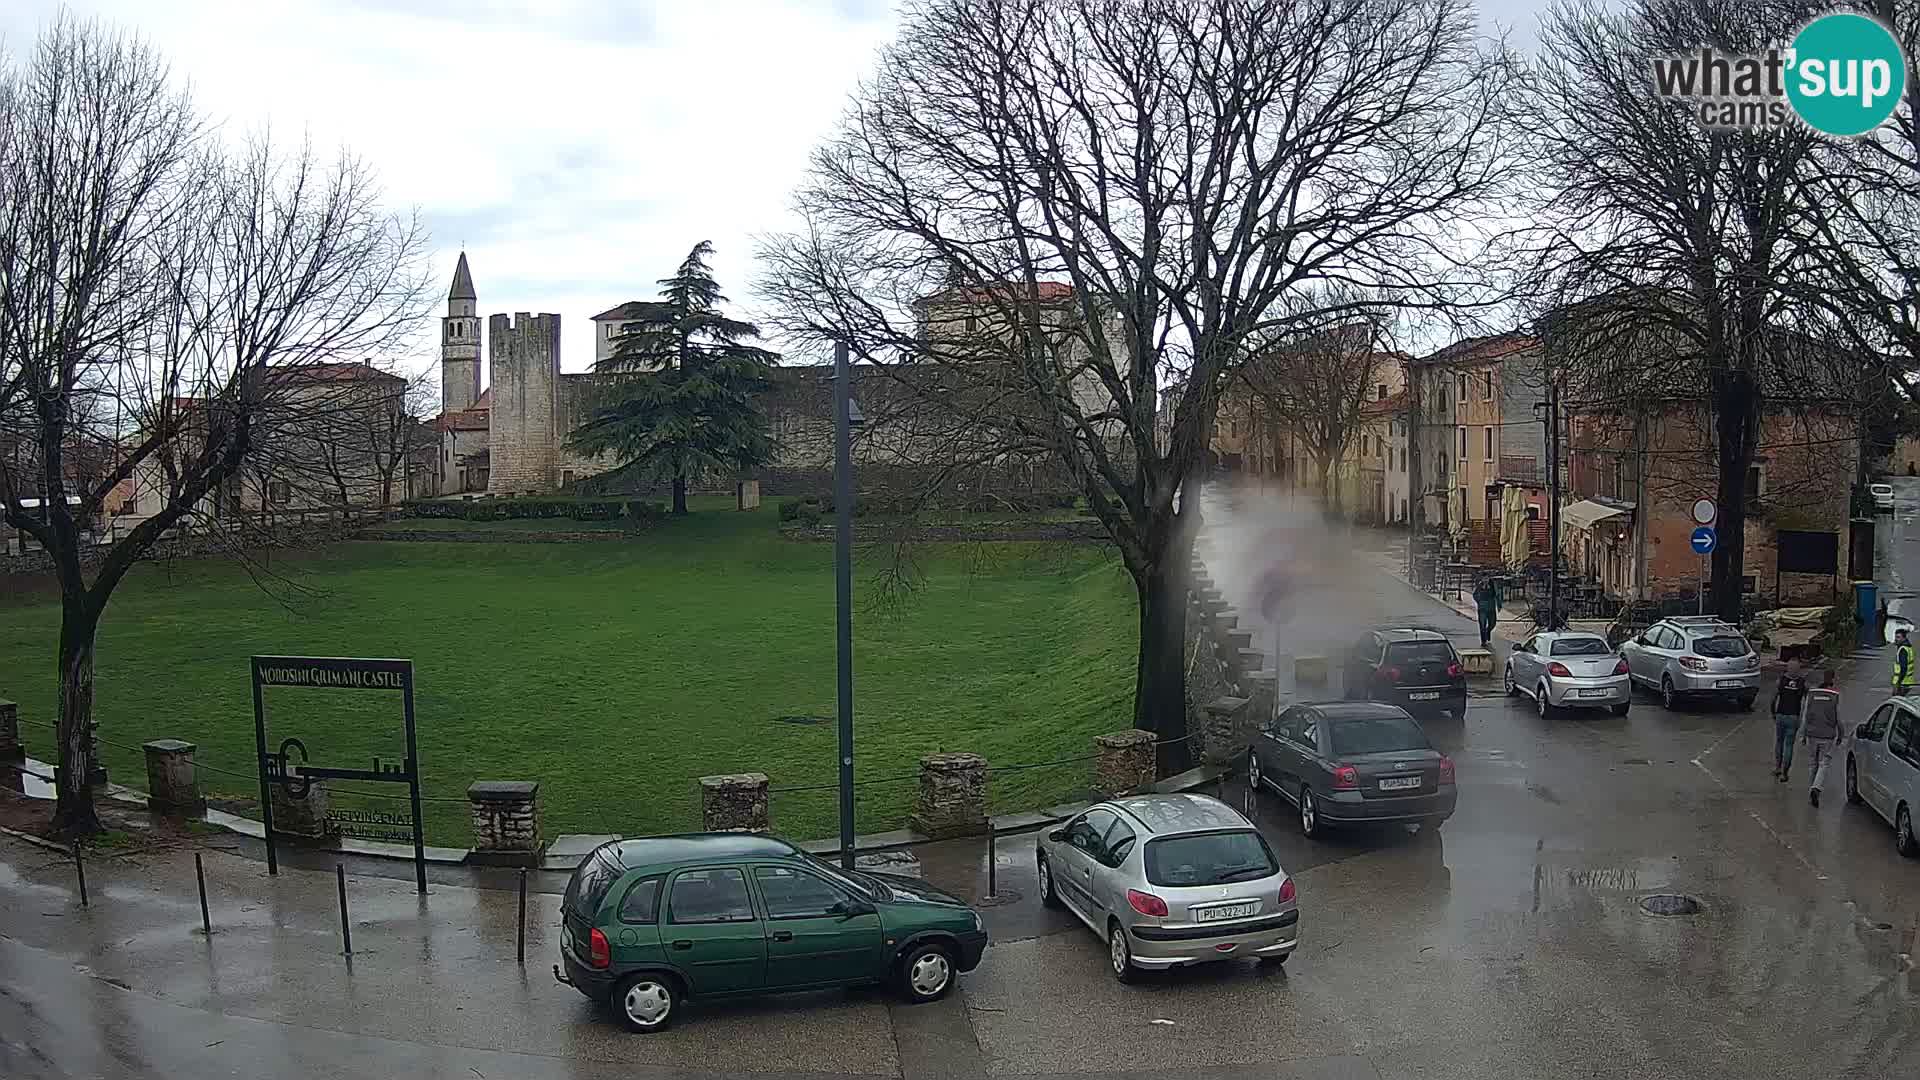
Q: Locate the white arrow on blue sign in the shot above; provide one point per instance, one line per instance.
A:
(1703, 540)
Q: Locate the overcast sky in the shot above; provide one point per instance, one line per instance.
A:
(575, 148)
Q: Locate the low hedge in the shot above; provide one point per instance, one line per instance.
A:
(635, 510)
(886, 504)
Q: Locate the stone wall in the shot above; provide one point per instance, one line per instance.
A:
(288, 530)
(506, 822)
(523, 441)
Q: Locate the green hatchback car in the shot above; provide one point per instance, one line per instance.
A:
(648, 923)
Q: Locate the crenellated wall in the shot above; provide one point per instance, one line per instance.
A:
(523, 443)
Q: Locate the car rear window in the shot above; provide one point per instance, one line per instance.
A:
(1208, 859)
(589, 886)
(1414, 652)
(1376, 735)
(1721, 645)
(1581, 646)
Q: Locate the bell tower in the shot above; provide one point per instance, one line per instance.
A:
(460, 344)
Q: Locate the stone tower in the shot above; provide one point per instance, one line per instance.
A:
(524, 441)
(460, 344)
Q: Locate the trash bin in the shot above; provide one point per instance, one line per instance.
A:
(1866, 602)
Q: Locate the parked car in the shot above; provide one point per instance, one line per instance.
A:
(1882, 497)
(1417, 670)
(648, 923)
(1883, 769)
(1694, 656)
(1351, 763)
(1170, 880)
(1569, 670)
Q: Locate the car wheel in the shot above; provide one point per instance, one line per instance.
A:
(1253, 772)
(926, 973)
(1543, 701)
(646, 1002)
(1309, 813)
(1904, 841)
(1049, 897)
(1513, 688)
(1120, 954)
(1621, 709)
(1669, 699)
(1853, 781)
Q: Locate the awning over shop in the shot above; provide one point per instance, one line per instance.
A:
(1586, 513)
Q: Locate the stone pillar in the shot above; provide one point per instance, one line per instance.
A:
(1223, 720)
(736, 803)
(12, 753)
(1263, 696)
(953, 796)
(303, 818)
(173, 787)
(747, 495)
(1124, 763)
(506, 822)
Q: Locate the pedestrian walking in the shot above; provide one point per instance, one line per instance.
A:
(1486, 597)
(1902, 662)
(1787, 699)
(1821, 729)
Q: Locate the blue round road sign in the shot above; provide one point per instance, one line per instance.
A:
(1703, 540)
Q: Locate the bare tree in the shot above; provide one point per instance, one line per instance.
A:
(159, 297)
(1673, 249)
(1316, 386)
(1067, 205)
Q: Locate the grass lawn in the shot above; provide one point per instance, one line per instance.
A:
(615, 673)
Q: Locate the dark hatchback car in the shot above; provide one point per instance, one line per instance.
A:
(1353, 763)
(648, 923)
(1414, 669)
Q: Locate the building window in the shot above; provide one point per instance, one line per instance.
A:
(1487, 394)
(1380, 392)
(1756, 481)
(279, 492)
(1463, 443)
(972, 324)
(1460, 390)
(1489, 444)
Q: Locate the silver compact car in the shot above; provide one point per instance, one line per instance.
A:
(1883, 769)
(1170, 880)
(1569, 670)
(1694, 656)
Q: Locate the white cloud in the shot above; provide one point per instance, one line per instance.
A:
(577, 149)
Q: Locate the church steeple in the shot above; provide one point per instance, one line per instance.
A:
(460, 343)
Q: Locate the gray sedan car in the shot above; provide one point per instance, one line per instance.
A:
(1170, 880)
(1353, 763)
(1569, 670)
(1883, 769)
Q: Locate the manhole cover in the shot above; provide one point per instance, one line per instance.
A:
(799, 719)
(1670, 904)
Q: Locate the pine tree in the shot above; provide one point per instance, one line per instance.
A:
(679, 397)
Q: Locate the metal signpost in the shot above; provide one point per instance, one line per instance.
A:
(1703, 540)
(296, 777)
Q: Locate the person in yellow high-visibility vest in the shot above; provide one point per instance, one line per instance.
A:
(1902, 662)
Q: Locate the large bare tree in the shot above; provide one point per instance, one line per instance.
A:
(159, 294)
(1067, 207)
(1673, 251)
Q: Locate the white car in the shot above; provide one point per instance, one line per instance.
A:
(1883, 769)
(1569, 670)
(1882, 496)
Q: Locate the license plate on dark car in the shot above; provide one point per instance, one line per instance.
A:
(1399, 783)
(1424, 695)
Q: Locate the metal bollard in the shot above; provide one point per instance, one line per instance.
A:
(346, 931)
(993, 860)
(80, 868)
(520, 951)
(200, 875)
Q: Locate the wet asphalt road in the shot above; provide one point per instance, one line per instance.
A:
(1510, 945)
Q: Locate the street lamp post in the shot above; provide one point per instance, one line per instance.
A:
(843, 584)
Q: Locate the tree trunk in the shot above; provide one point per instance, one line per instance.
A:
(1160, 678)
(1734, 421)
(73, 813)
(679, 493)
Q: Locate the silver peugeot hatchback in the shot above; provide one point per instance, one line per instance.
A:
(1170, 880)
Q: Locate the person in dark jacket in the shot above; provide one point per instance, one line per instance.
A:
(1787, 699)
(1821, 729)
(1486, 599)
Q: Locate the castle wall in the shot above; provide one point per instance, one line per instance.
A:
(523, 444)
(574, 403)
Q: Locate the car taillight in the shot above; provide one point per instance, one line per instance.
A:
(1693, 663)
(1287, 891)
(1446, 769)
(1558, 668)
(1621, 667)
(599, 953)
(1390, 674)
(1146, 903)
(1345, 778)
(1453, 671)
